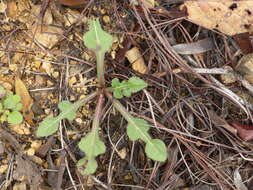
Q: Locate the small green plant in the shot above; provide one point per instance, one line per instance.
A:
(137, 129)
(127, 87)
(10, 107)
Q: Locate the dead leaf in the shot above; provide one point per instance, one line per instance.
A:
(244, 42)
(48, 36)
(73, 16)
(17, 9)
(28, 169)
(48, 33)
(26, 100)
(228, 17)
(135, 58)
(12, 9)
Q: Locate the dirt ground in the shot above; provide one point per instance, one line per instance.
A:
(196, 106)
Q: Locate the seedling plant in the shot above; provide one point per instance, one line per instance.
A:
(10, 106)
(99, 41)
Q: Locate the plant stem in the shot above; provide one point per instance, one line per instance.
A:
(84, 100)
(100, 68)
(120, 107)
(98, 111)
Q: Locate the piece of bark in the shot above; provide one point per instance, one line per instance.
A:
(42, 151)
(243, 41)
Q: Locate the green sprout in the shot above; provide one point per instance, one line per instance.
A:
(10, 106)
(99, 41)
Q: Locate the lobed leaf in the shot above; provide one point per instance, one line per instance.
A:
(96, 38)
(91, 166)
(11, 101)
(92, 147)
(127, 87)
(14, 118)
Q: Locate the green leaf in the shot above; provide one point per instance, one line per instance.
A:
(138, 129)
(18, 107)
(127, 87)
(91, 166)
(136, 84)
(156, 150)
(14, 118)
(64, 107)
(96, 38)
(48, 126)
(92, 147)
(11, 101)
(116, 91)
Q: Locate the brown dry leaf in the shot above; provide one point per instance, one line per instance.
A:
(47, 34)
(12, 9)
(135, 58)
(73, 16)
(229, 17)
(28, 169)
(26, 100)
(17, 9)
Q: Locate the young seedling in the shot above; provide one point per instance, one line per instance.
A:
(100, 42)
(10, 107)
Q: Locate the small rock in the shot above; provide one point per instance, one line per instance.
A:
(228, 78)
(106, 19)
(30, 152)
(245, 67)
(20, 186)
(3, 168)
